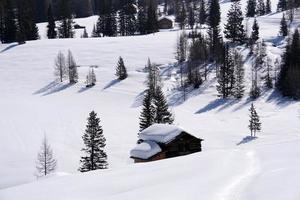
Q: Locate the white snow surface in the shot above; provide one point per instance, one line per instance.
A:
(231, 166)
(145, 150)
(161, 133)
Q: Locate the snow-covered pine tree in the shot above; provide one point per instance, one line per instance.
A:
(239, 73)
(251, 8)
(60, 69)
(162, 113)
(45, 163)
(234, 28)
(283, 26)
(153, 79)
(91, 78)
(121, 71)
(72, 68)
(261, 8)
(51, 27)
(268, 78)
(94, 141)
(148, 111)
(255, 89)
(254, 122)
(181, 48)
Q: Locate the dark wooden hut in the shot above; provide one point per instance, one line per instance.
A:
(165, 23)
(161, 141)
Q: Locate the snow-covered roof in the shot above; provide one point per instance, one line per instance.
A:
(166, 17)
(145, 150)
(161, 133)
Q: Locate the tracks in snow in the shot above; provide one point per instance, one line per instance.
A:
(238, 184)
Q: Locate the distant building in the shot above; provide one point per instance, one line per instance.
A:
(165, 23)
(161, 141)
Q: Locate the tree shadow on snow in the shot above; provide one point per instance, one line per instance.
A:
(9, 47)
(52, 87)
(111, 83)
(279, 100)
(138, 101)
(176, 97)
(246, 140)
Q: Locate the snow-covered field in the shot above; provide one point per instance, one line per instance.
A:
(33, 104)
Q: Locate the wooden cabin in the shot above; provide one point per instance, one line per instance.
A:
(165, 23)
(161, 141)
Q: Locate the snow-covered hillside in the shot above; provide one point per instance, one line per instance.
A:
(230, 167)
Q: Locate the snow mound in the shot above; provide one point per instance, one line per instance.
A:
(145, 150)
(161, 133)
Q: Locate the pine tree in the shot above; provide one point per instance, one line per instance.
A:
(130, 20)
(142, 19)
(162, 113)
(225, 76)
(268, 77)
(255, 32)
(94, 140)
(181, 48)
(60, 66)
(153, 79)
(255, 89)
(148, 111)
(121, 21)
(152, 21)
(10, 27)
(72, 68)
(288, 81)
(254, 122)
(65, 29)
(91, 78)
(51, 32)
(202, 13)
(100, 26)
(25, 21)
(234, 29)
(191, 18)
(85, 34)
(282, 5)
(214, 18)
(46, 163)
(181, 17)
(283, 27)
(121, 71)
(251, 8)
(268, 7)
(261, 8)
(239, 73)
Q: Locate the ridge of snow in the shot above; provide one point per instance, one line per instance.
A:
(161, 133)
(145, 150)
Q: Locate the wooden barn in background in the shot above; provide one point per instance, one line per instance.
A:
(165, 23)
(161, 141)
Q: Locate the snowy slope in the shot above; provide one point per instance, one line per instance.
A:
(229, 167)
